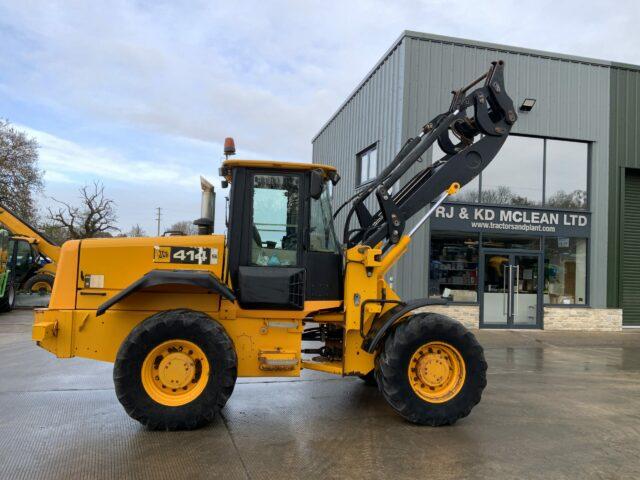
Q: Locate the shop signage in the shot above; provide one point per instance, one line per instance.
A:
(480, 218)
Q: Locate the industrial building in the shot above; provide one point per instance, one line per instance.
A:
(546, 237)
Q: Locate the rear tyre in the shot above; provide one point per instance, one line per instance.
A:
(9, 300)
(369, 379)
(41, 283)
(175, 370)
(431, 370)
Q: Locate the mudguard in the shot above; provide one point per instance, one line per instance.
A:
(382, 323)
(154, 278)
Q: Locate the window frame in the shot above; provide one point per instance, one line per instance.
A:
(544, 163)
(446, 233)
(589, 146)
(359, 158)
(541, 251)
(587, 274)
(300, 234)
(324, 197)
(544, 205)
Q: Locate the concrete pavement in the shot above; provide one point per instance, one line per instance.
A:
(558, 405)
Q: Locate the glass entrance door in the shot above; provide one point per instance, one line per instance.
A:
(524, 290)
(511, 290)
(495, 296)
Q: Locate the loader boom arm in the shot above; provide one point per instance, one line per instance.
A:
(22, 228)
(493, 116)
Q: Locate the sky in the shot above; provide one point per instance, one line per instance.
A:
(141, 94)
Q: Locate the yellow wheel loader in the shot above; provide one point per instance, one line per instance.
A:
(7, 293)
(183, 316)
(33, 257)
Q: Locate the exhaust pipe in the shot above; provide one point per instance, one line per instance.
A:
(207, 209)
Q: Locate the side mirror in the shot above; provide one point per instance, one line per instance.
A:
(334, 177)
(317, 183)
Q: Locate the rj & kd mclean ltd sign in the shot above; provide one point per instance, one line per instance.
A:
(479, 218)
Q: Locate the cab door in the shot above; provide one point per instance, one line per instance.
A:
(322, 254)
(271, 273)
(22, 260)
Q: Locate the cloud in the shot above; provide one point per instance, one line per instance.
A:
(68, 162)
(268, 73)
(202, 73)
(137, 187)
(54, 176)
(142, 92)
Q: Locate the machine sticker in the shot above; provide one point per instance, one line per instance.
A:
(94, 281)
(190, 255)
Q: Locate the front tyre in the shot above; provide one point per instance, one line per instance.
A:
(431, 370)
(41, 283)
(369, 379)
(175, 370)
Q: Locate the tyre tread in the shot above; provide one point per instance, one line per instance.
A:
(201, 411)
(392, 363)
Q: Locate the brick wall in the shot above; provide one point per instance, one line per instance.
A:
(468, 315)
(586, 319)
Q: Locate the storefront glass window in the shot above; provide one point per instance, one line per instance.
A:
(514, 177)
(520, 243)
(566, 179)
(565, 271)
(453, 269)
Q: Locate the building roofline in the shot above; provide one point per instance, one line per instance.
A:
(366, 78)
(474, 43)
(506, 48)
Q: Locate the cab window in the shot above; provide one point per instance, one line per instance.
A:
(322, 237)
(274, 227)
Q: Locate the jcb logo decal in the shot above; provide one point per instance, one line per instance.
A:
(161, 254)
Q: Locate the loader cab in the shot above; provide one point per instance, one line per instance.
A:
(282, 245)
(23, 259)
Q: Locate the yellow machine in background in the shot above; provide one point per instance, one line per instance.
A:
(36, 255)
(183, 316)
(7, 294)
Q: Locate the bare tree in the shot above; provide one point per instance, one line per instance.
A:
(95, 217)
(562, 199)
(185, 226)
(55, 232)
(503, 195)
(136, 231)
(20, 177)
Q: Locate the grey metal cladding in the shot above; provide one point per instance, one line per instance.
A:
(624, 152)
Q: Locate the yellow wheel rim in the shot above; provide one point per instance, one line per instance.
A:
(175, 372)
(41, 287)
(436, 372)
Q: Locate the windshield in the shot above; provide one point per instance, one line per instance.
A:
(322, 237)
